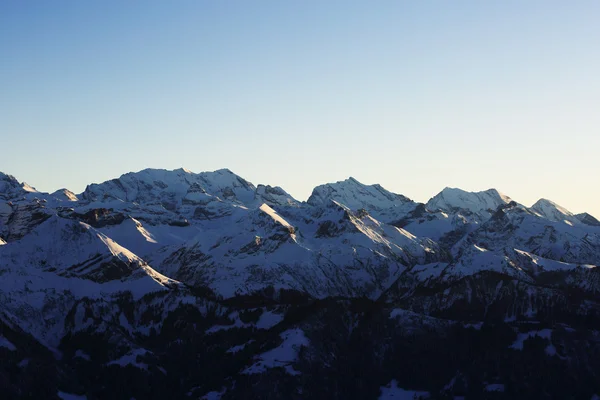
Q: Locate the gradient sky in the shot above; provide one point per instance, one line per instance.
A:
(415, 95)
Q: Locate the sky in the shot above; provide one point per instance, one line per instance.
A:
(414, 95)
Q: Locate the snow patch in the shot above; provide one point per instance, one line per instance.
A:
(4, 342)
(550, 265)
(522, 337)
(283, 356)
(69, 396)
(273, 214)
(240, 347)
(495, 387)
(267, 320)
(214, 395)
(131, 359)
(392, 391)
(83, 355)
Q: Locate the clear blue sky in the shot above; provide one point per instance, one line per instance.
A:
(415, 95)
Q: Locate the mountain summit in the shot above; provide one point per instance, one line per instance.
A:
(451, 199)
(378, 201)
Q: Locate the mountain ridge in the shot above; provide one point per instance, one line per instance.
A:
(66, 194)
(174, 284)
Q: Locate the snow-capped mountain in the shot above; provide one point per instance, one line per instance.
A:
(553, 212)
(379, 202)
(11, 188)
(588, 219)
(479, 204)
(170, 189)
(202, 285)
(64, 195)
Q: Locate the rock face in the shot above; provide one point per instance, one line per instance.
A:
(175, 284)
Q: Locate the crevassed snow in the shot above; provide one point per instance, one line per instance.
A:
(391, 391)
(282, 356)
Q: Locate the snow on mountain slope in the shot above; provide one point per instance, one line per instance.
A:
(482, 204)
(152, 279)
(517, 227)
(17, 219)
(453, 213)
(588, 219)
(537, 264)
(74, 249)
(169, 188)
(379, 202)
(284, 355)
(338, 252)
(552, 211)
(274, 196)
(8, 184)
(436, 225)
(475, 259)
(64, 195)
(12, 189)
(60, 261)
(519, 243)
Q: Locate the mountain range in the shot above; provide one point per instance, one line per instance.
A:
(202, 285)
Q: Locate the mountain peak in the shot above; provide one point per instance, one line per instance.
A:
(225, 171)
(8, 179)
(450, 199)
(543, 204)
(168, 187)
(64, 195)
(379, 202)
(274, 195)
(10, 186)
(351, 192)
(588, 219)
(552, 211)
